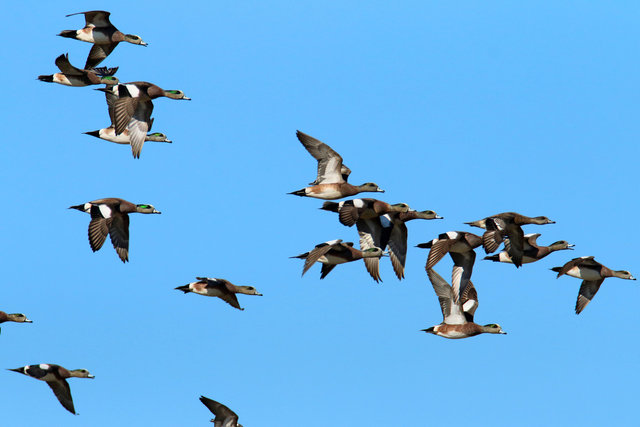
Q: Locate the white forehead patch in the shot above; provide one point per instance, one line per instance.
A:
(452, 234)
(105, 211)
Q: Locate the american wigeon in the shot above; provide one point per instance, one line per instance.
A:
(109, 134)
(221, 288)
(110, 216)
(225, 417)
(101, 32)
(13, 317)
(331, 182)
(592, 274)
(506, 227)
(457, 311)
(350, 211)
(130, 108)
(335, 252)
(460, 246)
(72, 76)
(55, 376)
(389, 230)
(531, 251)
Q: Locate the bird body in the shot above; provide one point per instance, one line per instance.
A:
(592, 274)
(331, 182)
(110, 216)
(55, 376)
(221, 288)
(457, 311)
(531, 251)
(333, 253)
(104, 36)
(72, 76)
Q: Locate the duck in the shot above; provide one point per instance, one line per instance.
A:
(335, 252)
(13, 317)
(56, 377)
(390, 230)
(225, 417)
(100, 31)
(331, 182)
(531, 251)
(351, 211)
(72, 76)
(110, 216)
(458, 311)
(130, 107)
(109, 134)
(460, 245)
(592, 274)
(221, 288)
(506, 227)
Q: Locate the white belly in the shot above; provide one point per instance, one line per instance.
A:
(330, 259)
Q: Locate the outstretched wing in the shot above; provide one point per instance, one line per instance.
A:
(588, 290)
(63, 392)
(451, 310)
(330, 168)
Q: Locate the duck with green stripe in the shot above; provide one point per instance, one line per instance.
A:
(109, 134)
(72, 76)
(130, 109)
(110, 216)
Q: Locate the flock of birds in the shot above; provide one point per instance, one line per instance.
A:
(381, 226)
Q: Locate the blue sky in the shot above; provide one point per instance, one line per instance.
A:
(466, 108)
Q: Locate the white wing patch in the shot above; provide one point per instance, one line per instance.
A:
(133, 90)
(452, 234)
(44, 366)
(358, 203)
(105, 211)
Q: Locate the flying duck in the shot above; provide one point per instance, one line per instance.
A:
(335, 252)
(389, 230)
(506, 227)
(55, 376)
(331, 182)
(457, 311)
(350, 211)
(111, 216)
(592, 274)
(130, 109)
(109, 134)
(460, 246)
(104, 36)
(221, 288)
(14, 317)
(72, 76)
(225, 417)
(531, 251)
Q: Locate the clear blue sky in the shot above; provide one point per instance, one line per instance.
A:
(466, 108)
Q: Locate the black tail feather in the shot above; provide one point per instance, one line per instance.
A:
(48, 79)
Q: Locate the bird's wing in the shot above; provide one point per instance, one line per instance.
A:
(438, 249)
(95, 18)
(451, 310)
(589, 261)
(222, 412)
(329, 162)
(514, 244)
(62, 62)
(398, 248)
(370, 232)
(139, 125)
(318, 252)
(119, 233)
(124, 107)
(469, 301)
(587, 291)
(98, 53)
(462, 269)
(62, 391)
